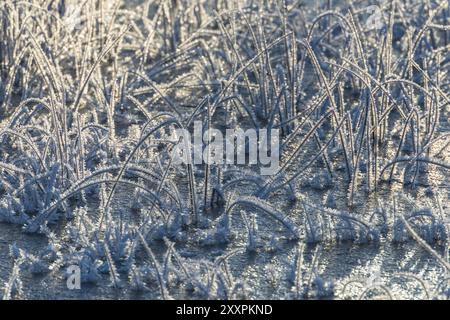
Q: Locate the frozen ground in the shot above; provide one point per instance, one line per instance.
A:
(360, 208)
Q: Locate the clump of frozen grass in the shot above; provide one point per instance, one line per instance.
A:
(14, 287)
(309, 283)
(327, 225)
(427, 225)
(264, 207)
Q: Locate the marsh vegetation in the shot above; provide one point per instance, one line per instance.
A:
(92, 93)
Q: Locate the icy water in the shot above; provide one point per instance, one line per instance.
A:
(354, 269)
(267, 274)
